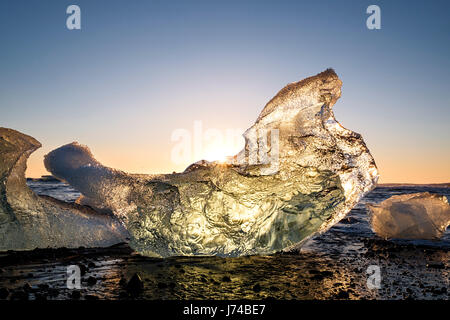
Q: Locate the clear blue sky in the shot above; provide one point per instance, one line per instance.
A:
(138, 70)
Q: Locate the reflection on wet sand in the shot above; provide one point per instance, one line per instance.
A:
(407, 272)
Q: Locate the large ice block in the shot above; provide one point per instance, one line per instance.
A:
(299, 173)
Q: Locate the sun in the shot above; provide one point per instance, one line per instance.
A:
(215, 154)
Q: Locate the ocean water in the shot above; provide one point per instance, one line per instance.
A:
(333, 265)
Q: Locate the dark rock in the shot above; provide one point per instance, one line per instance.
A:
(162, 285)
(439, 291)
(4, 293)
(317, 277)
(91, 265)
(226, 279)
(123, 282)
(52, 292)
(91, 281)
(91, 297)
(76, 295)
(257, 287)
(43, 286)
(19, 295)
(274, 288)
(83, 269)
(342, 295)
(40, 297)
(337, 284)
(27, 287)
(436, 265)
(320, 275)
(135, 285)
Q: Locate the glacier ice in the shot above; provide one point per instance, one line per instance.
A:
(29, 221)
(308, 173)
(411, 216)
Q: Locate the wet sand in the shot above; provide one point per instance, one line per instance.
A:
(407, 271)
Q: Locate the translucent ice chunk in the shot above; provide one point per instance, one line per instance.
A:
(411, 216)
(305, 179)
(29, 221)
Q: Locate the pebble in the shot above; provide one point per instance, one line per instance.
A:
(162, 285)
(19, 295)
(4, 293)
(436, 265)
(342, 295)
(123, 282)
(274, 288)
(83, 269)
(91, 281)
(26, 287)
(135, 285)
(53, 292)
(76, 295)
(257, 287)
(40, 297)
(43, 286)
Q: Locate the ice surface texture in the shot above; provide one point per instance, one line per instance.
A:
(29, 221)
(317, 172)
(411, 216)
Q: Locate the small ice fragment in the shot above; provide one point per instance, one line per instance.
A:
(411, 216)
